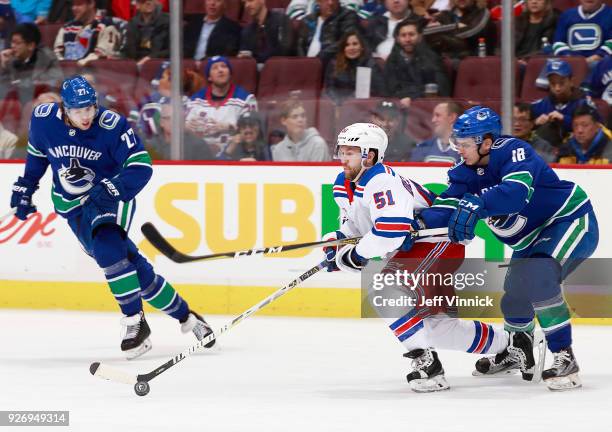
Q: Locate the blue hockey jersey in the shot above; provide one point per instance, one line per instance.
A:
(600, 81)
(521, 193)
(80, 159)
(580, 34)
(548, 104)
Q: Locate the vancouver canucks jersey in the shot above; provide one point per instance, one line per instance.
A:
(381, 207)
(80, 159)
(580, 33)
(521, 193)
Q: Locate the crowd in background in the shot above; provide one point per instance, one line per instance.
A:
(394, 52)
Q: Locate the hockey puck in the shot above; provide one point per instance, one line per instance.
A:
(94, 367)
(142, 388)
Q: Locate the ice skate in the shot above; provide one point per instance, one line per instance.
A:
(200, 328)
(563, 374)
(427, 374)
(135, 336)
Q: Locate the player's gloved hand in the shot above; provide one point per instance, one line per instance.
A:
(418, 224)
(347, 259)
(330, 251)
(23, 189)
(100, 205)
(463, 220)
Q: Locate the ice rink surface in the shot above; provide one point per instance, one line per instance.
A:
(279, 374)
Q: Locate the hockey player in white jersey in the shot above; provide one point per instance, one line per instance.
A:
(380, 205)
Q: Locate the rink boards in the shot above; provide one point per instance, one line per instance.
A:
(211, 208)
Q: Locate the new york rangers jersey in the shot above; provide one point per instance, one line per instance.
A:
(381, 206)
(79, 159)
(521, 193)
(579, 33)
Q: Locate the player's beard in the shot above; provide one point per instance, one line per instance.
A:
(351, 173)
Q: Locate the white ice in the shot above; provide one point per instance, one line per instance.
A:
(279, 374)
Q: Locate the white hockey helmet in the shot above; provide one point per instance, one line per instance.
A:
(366, 136)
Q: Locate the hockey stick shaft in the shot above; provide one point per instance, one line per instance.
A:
(153, 235)
(109, 373)
(8, 215)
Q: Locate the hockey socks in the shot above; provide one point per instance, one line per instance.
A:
(161, 295)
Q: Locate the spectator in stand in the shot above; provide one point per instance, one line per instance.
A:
(302, 143)
(159, 144)
(88, 37)
(341, 72)
(585, 31)
(249, 144)
(537, 21)
(269, 34)
(213, 112)
(381, 27)
(522, 128)
(298, 9)
(599, 82)
(7, 23)
(438, 148)
(27, 65)
(212, 34)
(125, 9)
(7, 143)
(473, 22)
(321, 30)
(387, 116)
(413, 64)
(553, 114)
(591, 142)
(35, 11)
(148, 33)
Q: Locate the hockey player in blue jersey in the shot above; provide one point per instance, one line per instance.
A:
(99, 166)
(548, 222)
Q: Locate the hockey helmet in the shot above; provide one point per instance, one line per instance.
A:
(78, 93)
(475, 123)
(366, 136)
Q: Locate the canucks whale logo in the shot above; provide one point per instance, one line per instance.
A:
(76, 179)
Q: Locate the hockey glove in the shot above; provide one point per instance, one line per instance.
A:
(21, 198)
(418, 224)
(349, 260)
(330, 251)
(463, 220)
(100, 206)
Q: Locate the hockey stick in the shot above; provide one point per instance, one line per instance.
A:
(141, 382)
(153, 235)
(8, 215)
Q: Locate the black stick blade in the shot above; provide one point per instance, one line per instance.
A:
(161, 244)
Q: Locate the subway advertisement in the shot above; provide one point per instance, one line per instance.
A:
(212, 208)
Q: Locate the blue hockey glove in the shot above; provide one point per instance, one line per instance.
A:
(101, 203)
(330, 251)
(463, 220)
(21, 198)
(349, 260)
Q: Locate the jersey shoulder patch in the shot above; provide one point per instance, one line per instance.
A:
(108, 119)
(43, 110)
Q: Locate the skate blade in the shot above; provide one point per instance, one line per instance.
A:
(429, 385)
(569, 382)
(144, 347)
(499, 374)
(540, 345)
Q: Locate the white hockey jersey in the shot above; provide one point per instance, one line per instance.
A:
(381, 207)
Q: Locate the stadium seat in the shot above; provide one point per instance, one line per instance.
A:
(480, 78)
(530, 92)
(604, 109)
(194, 7)
(115, 78)
(277, 4)
(564, 5)
(69, 67)
(233, 9)
(244, 72)
(149, 70)
(48, 33)
(283, 75)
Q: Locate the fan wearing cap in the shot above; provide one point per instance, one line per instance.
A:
(249, 144)
(388, 116)
(213, 112)
(553, 114)
(549, 223)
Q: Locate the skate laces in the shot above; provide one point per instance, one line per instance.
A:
(423, 360)
(131, 327)
(561, 358)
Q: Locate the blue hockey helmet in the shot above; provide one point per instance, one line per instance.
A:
(78, 93)
(477, 122)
